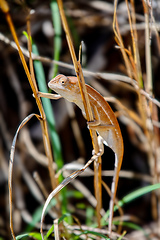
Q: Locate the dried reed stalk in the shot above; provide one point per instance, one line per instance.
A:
(88, 111)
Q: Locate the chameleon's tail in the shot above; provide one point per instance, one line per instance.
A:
(113, 191)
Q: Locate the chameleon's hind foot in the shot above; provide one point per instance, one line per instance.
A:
(101, 147)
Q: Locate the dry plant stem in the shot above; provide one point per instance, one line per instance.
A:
(105, 173)
(149, 88)
(142, 104)
(149, 84)
(77, 230)
(43, 122)
(11, 168)
(38, 101)
(31, 149)
(119, 40)
(142, 101)
(56, 232)
(126, 60)
(116, 202)
(10, 201)
(5, 9)
(40, 184)
(136, 64)
(88, 111)
(137, 57)
(130, 71)
(157, 162)
(121, 107)
(134, 35)
(30, 52)
(98, 163)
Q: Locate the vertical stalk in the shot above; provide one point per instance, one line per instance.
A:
(88, 110)
(148, 50)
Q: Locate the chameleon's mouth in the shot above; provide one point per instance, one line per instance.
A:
(56, 87)
(52, 85)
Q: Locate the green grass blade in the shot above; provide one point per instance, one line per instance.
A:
(55, 141)
(35, 219)
(129, 225)
(57, 33)
(90, 212)
(48, 110)
(123, 234)
(34, 235)
(95, 233)
(36, 216)
(130, 197)
(59, 220)
(133, 226)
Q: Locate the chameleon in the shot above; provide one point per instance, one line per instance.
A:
(105, 123)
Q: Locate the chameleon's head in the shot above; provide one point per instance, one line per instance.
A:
(67, 87)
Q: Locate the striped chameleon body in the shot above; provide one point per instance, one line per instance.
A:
(107, 127)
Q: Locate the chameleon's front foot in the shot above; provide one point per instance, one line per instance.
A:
(49, 95)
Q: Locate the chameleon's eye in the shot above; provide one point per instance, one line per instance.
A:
(63, 80)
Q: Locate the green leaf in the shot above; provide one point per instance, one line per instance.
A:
(123, 234)
(37, 214)
(35, 219)
(95, 233)
(81, 205)
(57, 33)
(63, 217)
(129, 225)
(89, 215)
(59, 220)
(22, 236)
(35, 235)
(130, 197)
(75, 193)
(26, 34)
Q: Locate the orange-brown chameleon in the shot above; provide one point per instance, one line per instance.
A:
(106, 123)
